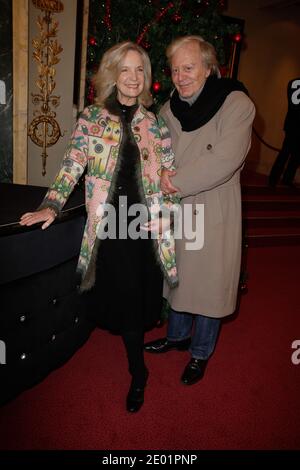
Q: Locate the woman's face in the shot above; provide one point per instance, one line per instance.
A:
(131, 80)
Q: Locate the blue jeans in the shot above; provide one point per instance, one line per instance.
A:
(204, 337)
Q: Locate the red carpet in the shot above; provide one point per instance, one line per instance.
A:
(271, 216)
(248, 399)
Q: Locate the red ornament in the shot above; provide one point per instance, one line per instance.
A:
(156, 87)
(92, 41)
(237, 37)
(176, 18)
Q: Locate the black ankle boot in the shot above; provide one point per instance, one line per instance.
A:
(135, 397)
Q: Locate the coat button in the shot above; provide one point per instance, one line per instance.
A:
(54, 301)
(136, 128)
(149, 191)
(209, 147)
(22, 318)
(23, 356)
(120, 187)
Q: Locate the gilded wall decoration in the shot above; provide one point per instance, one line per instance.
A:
(44, 130)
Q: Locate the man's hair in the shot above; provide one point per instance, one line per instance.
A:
(207, 51)
(109, 70)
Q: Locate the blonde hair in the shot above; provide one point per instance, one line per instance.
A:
(207, 51)
(109, 69)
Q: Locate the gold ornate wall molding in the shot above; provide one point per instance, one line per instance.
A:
(44, 129)
(64, 89)
(20, 90)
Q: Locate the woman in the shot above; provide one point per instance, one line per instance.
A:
(124, 147)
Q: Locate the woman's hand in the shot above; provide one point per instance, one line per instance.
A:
(46, 215)
(165, 183)
(159, 225)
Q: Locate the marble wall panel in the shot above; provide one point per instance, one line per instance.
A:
(6, 98)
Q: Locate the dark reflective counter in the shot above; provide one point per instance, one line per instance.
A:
(42, 317)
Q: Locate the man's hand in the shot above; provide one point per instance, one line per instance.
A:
(165, 182)
(46, 215)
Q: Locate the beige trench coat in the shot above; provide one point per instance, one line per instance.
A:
(209, 161)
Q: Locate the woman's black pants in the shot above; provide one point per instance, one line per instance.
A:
(134, 345)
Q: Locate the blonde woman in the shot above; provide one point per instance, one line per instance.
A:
(124, 147)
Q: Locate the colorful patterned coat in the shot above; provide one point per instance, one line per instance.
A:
(95, 143)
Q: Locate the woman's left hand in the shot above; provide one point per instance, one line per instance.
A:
(158, 225)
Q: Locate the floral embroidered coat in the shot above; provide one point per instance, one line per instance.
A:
(95, 144)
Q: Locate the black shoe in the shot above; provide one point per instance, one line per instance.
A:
(164, 345)
(135, 397)
(194, 371)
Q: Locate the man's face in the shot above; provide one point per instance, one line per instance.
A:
(188, 72)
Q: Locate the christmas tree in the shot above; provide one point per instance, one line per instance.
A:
(153, 24)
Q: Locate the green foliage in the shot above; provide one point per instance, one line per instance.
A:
(163, 21)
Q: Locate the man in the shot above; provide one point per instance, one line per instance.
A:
(290, 151)
(210, 121)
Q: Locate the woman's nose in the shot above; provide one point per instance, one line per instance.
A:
(133, 75)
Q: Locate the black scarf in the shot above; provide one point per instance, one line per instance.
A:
(207, 104)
